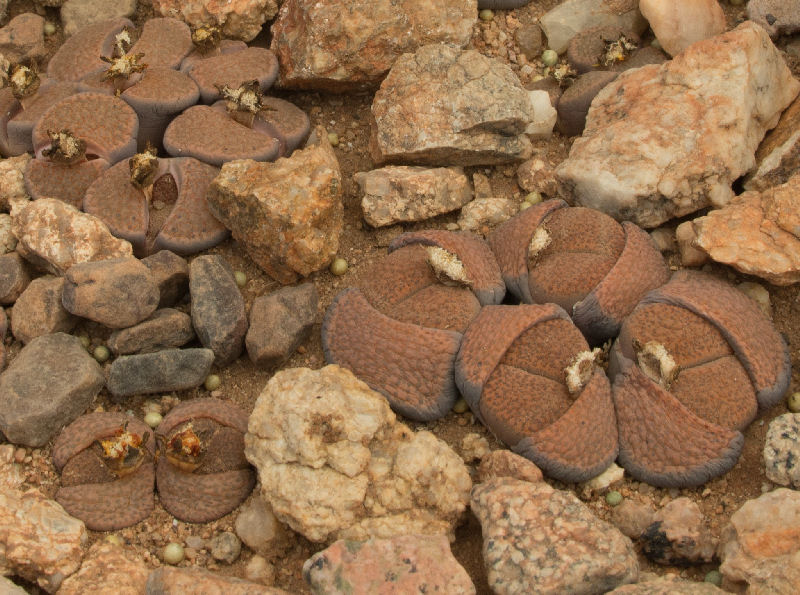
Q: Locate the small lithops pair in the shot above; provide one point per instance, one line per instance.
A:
(109, 463)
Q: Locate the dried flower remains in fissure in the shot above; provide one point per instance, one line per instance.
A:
(23, 80)
(65, 147)
(243, 102)
(143, 168)
(206, 39)
(124, 452)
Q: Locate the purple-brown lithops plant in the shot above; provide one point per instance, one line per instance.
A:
(232, 68)
(692, 365)
(79, 56)
(202, 472)
(400, 330)
(582, 260)
(528, 374)
(106, 462)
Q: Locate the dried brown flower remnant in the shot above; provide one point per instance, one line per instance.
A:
(618, 50)
(243, 102)
(143, 168)
(185, 448)
(206, 39)
(122, 42)
(124, 452)
(65, 147)
(24, 81)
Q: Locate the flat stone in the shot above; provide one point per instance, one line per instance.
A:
(778, 155)
(279, 323)
(529, 39)
(571, 17)
(394, 194)
(225, 547)
(22, 39)
(504, 463)
(194, 581)
(778, 17)
(670, 154)
(402, 564)
(54, 236)
(239, 19)
(218, 313)
(680, 23)
(39, 542)
(782, 450)
(286, 238)
(117, 293)
(14, 277)
(165, 329)
(339, 45)
(171, 273)
(39, 311)
(481, 213)
(678, 535)
(77, 14)
(108, 567)
(163, 371)
(49, 384)
(444, 106)
(540, 540)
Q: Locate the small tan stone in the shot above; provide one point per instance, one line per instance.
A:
(484, 212)
(679, 23)
(12, 181)
(685, 236)
(108, 569)
(504, 463)
(778, 155)
(239, 19)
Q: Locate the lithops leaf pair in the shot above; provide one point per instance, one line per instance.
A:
(582, 260)
(400, 330)
(530, 377)
(693, 363)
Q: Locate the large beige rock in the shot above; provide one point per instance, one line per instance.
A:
(288, 214)
(38, 540)
(335, 463)
(444, 106)
(108, 569)
(679, 23)
(54, 236)
(12, 182)
(758, 233)
(338, 45)
(666, 140)
(239, 19)
(778, 155)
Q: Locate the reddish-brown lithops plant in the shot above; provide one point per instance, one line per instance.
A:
(232, 68)
(79, 56)
(528, 374)
(691, 367)
(202, 471)
(582, 260)
(400, 330)
(106, 462)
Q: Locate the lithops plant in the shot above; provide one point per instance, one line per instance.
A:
(528, 374)
(79, 56)
(693, 363)
(582, 260)
(231, 68)
(400, 330)
(202, 472)
(106, 462)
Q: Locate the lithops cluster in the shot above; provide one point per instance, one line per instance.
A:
(691, 367)
(582, 260)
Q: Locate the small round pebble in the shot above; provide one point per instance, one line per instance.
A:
(85, 341)
(114, 539)
(339, 266)
(333, 139)
(153, 418)
(173, 553)
(793, 402)
(101, 353)
(49, 28)
(613, 498)
(533, 198)
(486, 14)
(714, 577)
(549, 58)
(241, 278)
(461, 406)
(212, 382)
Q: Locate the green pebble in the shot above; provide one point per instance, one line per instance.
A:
(153, 418)
(486, 14)
(101, 353)
(613, 498)
(461, 406)
(333, 139)
(533, 197)
(49, 28)
(173, 553)
(549, 58)
(714, 577)
(241, 278)
(212, 382)
(85, 341)
(525, 205)
(339, 267)
(793, 402)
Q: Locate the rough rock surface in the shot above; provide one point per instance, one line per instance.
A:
(284, 237)
(401, 564)
(11, 473)
(679, 23)
(441, 106)
(481, 213)
(12, 182)
(50, 383)
(632, 517)
(77, 14)
(782, 450)
(778, 155)
(334, 463)
(22, 39)
(257, 526)
(39, 311)
(778, 17)
(166, 328)
(338, 45)
(540, 540)
(573, 16)
(108, 568)
(239, 19)
(165, 370)
(678, 535)
(658, 140)
(8, 241)
(668, 585)
(504, 463)
(394, 194)
(175, 581)
(54, 236)
(14, 277)
(38, 540)
(757, 233)
(171, 273)
(762, 541)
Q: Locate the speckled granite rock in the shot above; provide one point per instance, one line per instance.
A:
(185, 581)
(334, 463)
(678, 535)
(504, 463)
(108, 568)
(239, 19)
(12, 181)
(668, 585)
(782, 450)
(540, 540)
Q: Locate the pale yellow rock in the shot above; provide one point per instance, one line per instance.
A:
(679, 23)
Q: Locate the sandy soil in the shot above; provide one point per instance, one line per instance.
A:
(348, 115)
